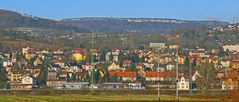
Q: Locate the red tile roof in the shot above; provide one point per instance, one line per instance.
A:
(227, 78)
(123, 74)
(211, 56)
(78, 50)
(161, 74)
(235, 58)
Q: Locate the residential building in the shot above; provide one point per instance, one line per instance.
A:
(183, 84)
(229, 83)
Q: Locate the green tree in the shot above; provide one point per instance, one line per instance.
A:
(114, 78)
(1, 46)
(72, 77)
(102, 54)
(186, 66)
(141, 47)
(221, 52)
(93, 58)
(207, 79)
(194, 63)
(86, 78)
(121, 59)
(3, 77)
(82, 46)
(106, 76)
(134, 57)
(97, 76)
(88, 58)
(111, 57)
(141, 79)
(42, 76)
(132, 67)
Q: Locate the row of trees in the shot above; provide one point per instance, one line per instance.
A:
(207, 74)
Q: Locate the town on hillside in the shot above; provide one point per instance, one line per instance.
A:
(169, 66)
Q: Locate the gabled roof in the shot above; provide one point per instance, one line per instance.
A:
(79, 74)
(211, 56)
(123, 74)
(235, 58)
(161, 74)
(228, 78)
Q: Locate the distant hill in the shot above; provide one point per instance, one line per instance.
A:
(10, 19)
(138, 25)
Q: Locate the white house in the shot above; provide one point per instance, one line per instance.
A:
(114, 54)
(107, 56)
(26, 83)
(7, 63)
(225, 63)
(27, 80)
(183, 84)
(24, 50)
(195, 75)
(231, 47)
(88, 67)
(170, 67)
(76, 85)
(55, 83)
(113, 67)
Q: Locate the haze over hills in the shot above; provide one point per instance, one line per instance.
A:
(10, 19)
(138, 25)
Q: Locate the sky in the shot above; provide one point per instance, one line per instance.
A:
(222, 10)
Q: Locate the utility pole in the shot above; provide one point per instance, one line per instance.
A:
(92, 64)
(158, 76)
(177, 46)
(190, 79)
(177, 98)
(157, 47)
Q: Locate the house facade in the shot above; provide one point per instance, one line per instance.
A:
(183, 84)
(56, 83)
(229, 84)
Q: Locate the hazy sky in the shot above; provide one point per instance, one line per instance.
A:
(224, 10)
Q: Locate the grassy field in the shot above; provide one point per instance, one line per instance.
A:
(78, 98)
(19, 43)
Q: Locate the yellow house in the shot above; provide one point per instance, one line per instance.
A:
(78, 57)
(234, 64)
(14, 76)
(36, 72)
(37, 62)
(44, 52)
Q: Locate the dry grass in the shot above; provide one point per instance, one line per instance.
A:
(78, 98)
(19, 43)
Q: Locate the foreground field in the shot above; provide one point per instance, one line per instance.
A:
(78, 98)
